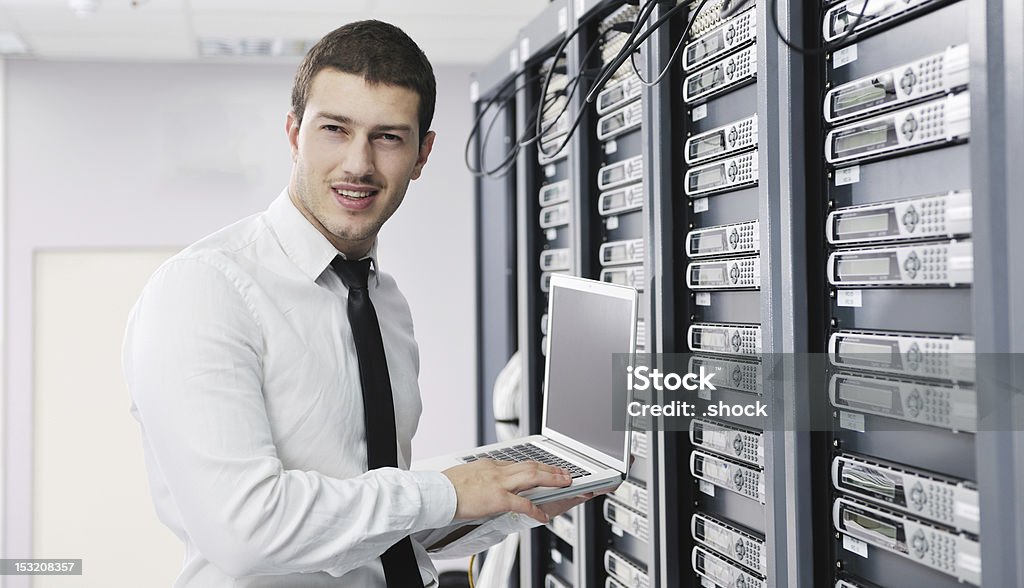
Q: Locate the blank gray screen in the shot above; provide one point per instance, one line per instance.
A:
(584, 332)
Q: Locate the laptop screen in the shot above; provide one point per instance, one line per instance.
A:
(588, 322)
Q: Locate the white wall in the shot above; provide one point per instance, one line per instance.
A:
(139, 155)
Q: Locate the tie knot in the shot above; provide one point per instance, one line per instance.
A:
(354, 274)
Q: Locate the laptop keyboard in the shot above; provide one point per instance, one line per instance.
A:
(529, 452)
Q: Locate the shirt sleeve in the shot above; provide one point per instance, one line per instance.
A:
(192, 361)
(488, 533)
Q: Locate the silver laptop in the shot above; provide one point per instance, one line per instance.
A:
(588, 322)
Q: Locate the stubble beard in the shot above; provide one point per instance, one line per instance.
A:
(317, 197)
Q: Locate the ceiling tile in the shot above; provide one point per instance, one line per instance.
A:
(103, 47)
(287, 26)
(139, 21)
(242, 7)
(459, 51)
(448, 8)
(105, 5)
(6, 22)
(498, 29)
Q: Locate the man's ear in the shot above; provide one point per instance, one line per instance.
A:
(421, 160)
(291, 127)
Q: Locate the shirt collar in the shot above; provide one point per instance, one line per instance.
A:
(308, 249)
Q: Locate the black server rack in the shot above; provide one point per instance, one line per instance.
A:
(493, 92)
(900, 473)
(816, 200)
(549, 226)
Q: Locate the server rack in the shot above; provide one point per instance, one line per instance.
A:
(492, 92)
(547, 234)
(894, 484)
(797, 307)
(614, 166)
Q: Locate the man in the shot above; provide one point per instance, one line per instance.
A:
(277, 406)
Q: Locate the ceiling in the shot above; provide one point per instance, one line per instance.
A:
(449, 31)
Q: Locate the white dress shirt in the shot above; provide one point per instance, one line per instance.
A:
(243, 377)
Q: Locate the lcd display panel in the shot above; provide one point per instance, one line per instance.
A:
(869, 480)
(860, 140)
(864, 95)
(714, 274)
(706, 80)
(707, 146)
(884, 532)
(865, 394)
(714, 340)
(710, 178)
(872, 267)
(709, 242)
(851, 225)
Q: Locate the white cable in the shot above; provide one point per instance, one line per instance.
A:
(506, 397)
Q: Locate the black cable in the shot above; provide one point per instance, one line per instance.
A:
(631, 45)
(730, 8)
(498, 98)
(773, 9)
(575, 85)
(675, 52)
(539, 132)
(509, 160)
(642, 16)
(510, 157)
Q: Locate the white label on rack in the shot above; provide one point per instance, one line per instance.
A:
(704, 394)
(848, 175)
(855, 546)
(563, 19)
(556, 556)
(701, 205)
(617, 530)
(700, 112)
(524, 49)
(705, 583)
(551, 234)
(611, 147)
(474, 91)
(513, 60)
(707, 487)
(844, 56)
(703, 298)
(849, 298)
(549, 170)
(611, 223)
(851, 421)
(581, 7)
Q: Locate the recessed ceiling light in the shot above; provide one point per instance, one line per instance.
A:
(254, 47)
(84, 8)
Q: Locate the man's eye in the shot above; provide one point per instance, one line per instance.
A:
(390, 138)
(331, 128)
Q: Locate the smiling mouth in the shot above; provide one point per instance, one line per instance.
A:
(354, 194)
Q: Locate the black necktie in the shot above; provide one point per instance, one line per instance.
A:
(399, 561)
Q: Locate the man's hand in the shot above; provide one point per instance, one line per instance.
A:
(486, 487)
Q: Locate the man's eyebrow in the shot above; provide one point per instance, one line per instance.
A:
(391, 128)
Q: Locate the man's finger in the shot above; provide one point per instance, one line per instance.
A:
(535, 465)
(524, 506)
(532, 478)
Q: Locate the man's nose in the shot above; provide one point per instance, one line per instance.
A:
(358, 158)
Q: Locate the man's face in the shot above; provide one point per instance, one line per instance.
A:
(353, 156)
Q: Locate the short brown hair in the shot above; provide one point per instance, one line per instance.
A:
(380, 52)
